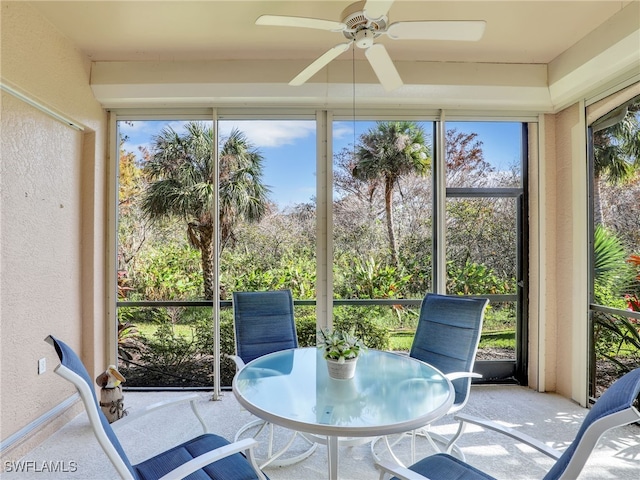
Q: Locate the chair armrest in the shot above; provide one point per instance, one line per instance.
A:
(237, 360)
(515, 434)
(205, 459)
(192, 398)
(456, 375)
(402, 473)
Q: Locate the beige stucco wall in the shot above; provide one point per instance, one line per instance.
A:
(559, 258)
(52, 216)
(572, 258)
(548, 255)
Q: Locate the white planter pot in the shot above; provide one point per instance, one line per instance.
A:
(342, 371)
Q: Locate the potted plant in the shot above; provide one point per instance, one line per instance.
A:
(341, 350)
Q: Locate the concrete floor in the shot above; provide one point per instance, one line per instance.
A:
(548, 417)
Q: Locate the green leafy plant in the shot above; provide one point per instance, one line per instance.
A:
(473, 278)
(375, 280)
(610, 258)
(168, 349)
(340, 345)
(129, 342)
(617, 338)
(364, 322)
(306, 329)
(169, 272)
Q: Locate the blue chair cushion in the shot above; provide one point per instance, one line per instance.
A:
(446, 467)
(235, 466)
(447, 336)
(264, 323)
(619, 396)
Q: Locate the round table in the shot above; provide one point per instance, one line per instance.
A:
(390, 393)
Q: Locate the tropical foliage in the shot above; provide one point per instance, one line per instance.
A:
(616, 152)
(616, 240)
(385, 154)
(382, 242)
(182, 184)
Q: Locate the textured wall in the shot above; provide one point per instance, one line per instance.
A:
(567, 335)
(548, 343)
(559, 257)
(51, 215)
(39, 255)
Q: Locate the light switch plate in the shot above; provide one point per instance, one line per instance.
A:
(42, 366)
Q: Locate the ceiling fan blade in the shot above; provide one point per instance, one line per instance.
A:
(303, 22)
(320, 62)
(383, 67)
(374, 9)
(458, 30)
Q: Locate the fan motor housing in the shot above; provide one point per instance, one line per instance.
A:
(364, 38)
(356, 21)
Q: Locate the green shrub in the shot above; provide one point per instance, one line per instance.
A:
(369, 278)
(474, 278)
(372, 334)
(168, 272)
(307, 331)
(617, 337)
(240, 272)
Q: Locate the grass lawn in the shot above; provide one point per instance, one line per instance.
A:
(498, 339)
(148, 329)
(399, 340)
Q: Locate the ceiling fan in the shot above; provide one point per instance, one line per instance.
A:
(366, 20)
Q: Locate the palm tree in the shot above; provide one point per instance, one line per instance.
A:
(616, 154)
(182, 183)
(243, 196)
(386, 153)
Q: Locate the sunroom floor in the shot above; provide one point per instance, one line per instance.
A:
(548, 417)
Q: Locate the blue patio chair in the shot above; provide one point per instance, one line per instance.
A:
(209, 456)
(264, 323)
(614, 408)
(447, 337)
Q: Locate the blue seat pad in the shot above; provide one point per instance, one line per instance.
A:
(446, 467)
(235, 466)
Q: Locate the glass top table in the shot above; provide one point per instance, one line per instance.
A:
(390, 393)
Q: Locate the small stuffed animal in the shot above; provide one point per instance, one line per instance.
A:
(110, 378)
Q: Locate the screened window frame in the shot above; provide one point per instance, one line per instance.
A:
(597, 120)
(323, 149)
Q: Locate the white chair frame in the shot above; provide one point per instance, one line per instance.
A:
(244, 446)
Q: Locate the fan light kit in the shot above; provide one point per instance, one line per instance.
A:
(363, 22)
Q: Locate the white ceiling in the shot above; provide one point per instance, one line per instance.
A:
(518, 33)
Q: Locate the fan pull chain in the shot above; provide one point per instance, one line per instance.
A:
(353, 74)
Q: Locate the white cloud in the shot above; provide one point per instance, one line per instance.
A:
(270, 133)
(343, 130)
(140, 133)
(261, 133)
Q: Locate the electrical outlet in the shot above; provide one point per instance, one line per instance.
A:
(42, 366)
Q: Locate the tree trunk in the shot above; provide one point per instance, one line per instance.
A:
(388, 205)
(598, 218)
(206, 252)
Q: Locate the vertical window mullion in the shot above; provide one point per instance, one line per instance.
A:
(439, 205)
(324, 219)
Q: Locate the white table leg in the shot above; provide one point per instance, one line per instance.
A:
(332, 449)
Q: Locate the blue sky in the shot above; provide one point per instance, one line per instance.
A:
(289, 149)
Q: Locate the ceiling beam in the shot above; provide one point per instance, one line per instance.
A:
(242, 83)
